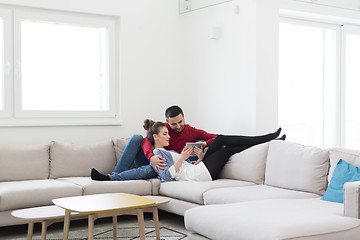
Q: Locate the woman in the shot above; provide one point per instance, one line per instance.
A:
(207, 167)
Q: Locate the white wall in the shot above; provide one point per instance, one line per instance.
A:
(227, 85)
(222, 72)
(167, 59)
(266, 65)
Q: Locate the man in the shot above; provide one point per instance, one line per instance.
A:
(139, 150)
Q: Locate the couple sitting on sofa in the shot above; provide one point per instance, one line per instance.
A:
(164, 147)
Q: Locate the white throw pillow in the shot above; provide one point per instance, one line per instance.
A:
(348, 155)
(24, 162)
(248, 165)
(77, 159)
(297, 167)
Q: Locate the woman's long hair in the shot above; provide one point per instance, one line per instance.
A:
(152, 128)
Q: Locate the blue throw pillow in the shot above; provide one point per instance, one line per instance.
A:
(344, 172)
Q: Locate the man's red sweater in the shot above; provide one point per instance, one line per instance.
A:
(178, 140)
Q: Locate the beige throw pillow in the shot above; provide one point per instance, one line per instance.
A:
(297, 167)
(24, 162)
(77, 159)
(119, 145)
(248, 165)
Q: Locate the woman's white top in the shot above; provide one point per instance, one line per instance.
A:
(188, 171)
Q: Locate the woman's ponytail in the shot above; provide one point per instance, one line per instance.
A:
(147, 124)
(152, 128)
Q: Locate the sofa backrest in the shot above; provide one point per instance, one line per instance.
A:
(24, 162)
(297, 167)
(77, 159)
(248, 165)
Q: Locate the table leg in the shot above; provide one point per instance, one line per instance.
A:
(43, 230)
(30, 230)
(141, 223)
(91, 220)
(115, 227)
(156, 221)
(66, 225)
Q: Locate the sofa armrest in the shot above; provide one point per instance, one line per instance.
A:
(155, 186)
(352, 199)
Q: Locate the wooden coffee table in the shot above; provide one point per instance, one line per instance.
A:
(45, 215)
(111, 204)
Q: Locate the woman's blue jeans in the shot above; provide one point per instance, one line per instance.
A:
(133, 154)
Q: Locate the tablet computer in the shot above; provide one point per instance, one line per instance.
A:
(193, 144)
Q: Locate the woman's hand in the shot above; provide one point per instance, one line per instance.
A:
(186, 153)
(199, 153)
(158, 161)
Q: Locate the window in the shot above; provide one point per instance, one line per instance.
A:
(352, 87)
(64, 67)
(82, 77)
(318, 83)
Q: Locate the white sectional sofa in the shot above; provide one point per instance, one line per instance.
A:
(270, 191)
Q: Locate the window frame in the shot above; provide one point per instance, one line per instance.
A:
(13, 114)
(346, 29)
(7, 61)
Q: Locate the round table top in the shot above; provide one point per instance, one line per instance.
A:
(40, 213)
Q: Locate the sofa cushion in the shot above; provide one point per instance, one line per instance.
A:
(248, 165)
(77, 159)
(33, 193)
(251, 193)
(139, 187)
(273, 219)
(119, 145)
(348, 155)
(178, 207)
(297, 167)
(344, 172)
(24, 162)
(193, 191)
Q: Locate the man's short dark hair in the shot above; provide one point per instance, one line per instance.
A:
(173, 111)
